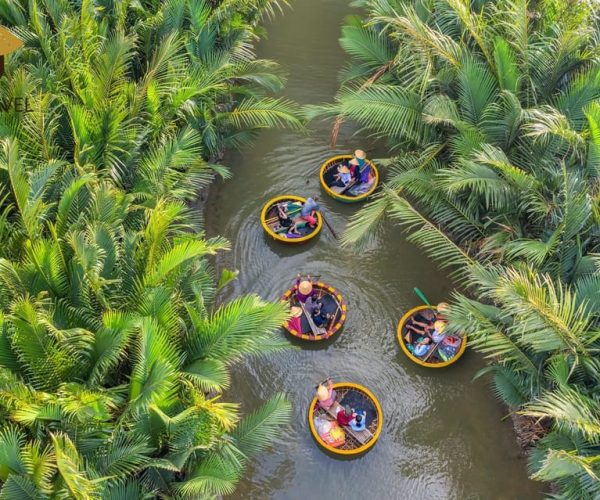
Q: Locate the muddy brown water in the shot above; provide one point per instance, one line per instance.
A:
(444, 435)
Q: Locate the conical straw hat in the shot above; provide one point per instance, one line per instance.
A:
(344, 170)
(305, 287)
(296, 312)
(440, 326)
(322, 393)
(443, 307)
(360, 154)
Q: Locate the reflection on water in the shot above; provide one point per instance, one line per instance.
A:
(443, 436)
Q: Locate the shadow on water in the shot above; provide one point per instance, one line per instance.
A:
(443, 434)
(313, 346)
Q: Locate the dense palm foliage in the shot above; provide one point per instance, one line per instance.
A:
(114, 348)
(492, 111)
(142, 92)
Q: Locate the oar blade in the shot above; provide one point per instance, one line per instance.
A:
(421, 295)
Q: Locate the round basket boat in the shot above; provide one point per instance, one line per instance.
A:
(353, 192)
(270, 220)
(347, 441)
(303, 327)
(433, 359)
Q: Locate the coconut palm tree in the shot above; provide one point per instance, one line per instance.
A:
(113, 350)
(147, 96)
(487, 148)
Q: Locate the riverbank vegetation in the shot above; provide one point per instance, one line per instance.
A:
(114, 347)
(492, 114)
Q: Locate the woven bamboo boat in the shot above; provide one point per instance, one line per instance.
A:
(433, 358)
(269, 220)
(353, 442)
(333, 303)
(354, 192)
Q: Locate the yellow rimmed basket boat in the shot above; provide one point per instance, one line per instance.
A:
(347, 441)
(269, 219)
(433, 359)
(353, 193)
(303, 327)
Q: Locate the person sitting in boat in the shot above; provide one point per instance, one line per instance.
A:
(304, 289)
(443, 309)
(326, 395)
(359, 422)
(345, 415)
(318, 316)
(354, 169)
(361, 157)
(366, 177)
(421, 323)
(343, 177)
(285, 221)
(282, 213)
(421, 347)
(309, 211)
(295, 322)
(439, 327)
(449, 347)
(364, 167)
(330, 431)
(311, 303)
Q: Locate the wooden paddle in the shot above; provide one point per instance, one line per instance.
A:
(432, 351)
(355, 181)
(311, 323)
(330, 325)
(421, 295)
(329, 227)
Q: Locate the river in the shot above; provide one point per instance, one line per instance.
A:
(444, 435)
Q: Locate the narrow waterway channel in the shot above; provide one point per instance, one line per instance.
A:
(444, 436)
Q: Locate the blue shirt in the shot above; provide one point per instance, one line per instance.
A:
(308, 207)
(363, 423)
(437, 336)
(421, 349)
(346, 177)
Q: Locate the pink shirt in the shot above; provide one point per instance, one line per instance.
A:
(329, 401)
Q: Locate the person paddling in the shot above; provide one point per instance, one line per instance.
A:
(309, 211)
(304, 288)
(364, 167)
(361, 157)
(326, 395)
